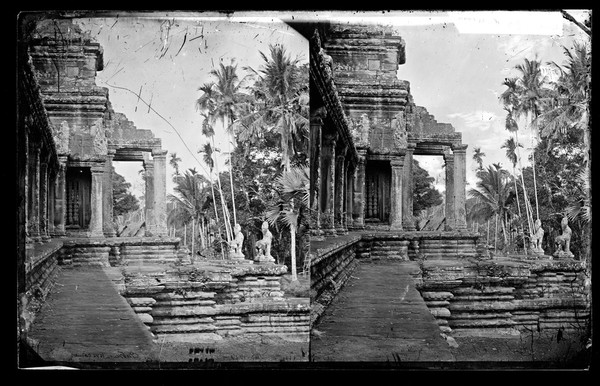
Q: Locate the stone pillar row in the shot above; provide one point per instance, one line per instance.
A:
(41, 196)
(336, 193)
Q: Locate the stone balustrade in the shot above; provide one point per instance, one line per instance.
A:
(219, 299)
(509, 294)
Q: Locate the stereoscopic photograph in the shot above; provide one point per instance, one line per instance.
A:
(339, 190)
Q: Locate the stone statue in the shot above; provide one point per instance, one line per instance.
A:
(235, 246)
(263, 246)
(537, 237)
(563, 242)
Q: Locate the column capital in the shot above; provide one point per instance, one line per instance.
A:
(448, 157)
(317, 116)
(461, 148)
(397, 162)
(159, 153)
(329, 139)
(148, 164)
(97, 169)
(111, 153)
(341, 152)
(411, 146)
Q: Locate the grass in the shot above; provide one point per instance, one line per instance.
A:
(297, 289)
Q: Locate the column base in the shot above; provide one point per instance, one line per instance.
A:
(330, 232)
(396, 227)
(110, 233)
(261, 259)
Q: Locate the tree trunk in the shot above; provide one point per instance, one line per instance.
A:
(225, 121)
(293, 251)
(496, 234)
(526, 199)
(185, 235)
(193, 236)
(223, 205)
(537, 208)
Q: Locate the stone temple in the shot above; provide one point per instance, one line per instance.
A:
(365, 130)
(76, 276)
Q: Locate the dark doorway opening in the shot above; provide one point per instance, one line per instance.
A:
(79, 182)
(378, 185)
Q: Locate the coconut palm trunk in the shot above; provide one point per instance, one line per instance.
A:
(293, 251)
(223, 205)
(537, 208)
(526, 199)
(193, 235)
(225, 122)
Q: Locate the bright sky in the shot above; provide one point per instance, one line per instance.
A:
(455, 63)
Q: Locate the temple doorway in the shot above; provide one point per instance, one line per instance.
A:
(378, 176)
(79, 181)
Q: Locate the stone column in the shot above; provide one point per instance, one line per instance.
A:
(316, 122)
(51, 201)
(160, 192)
(60, 197)
(359, 192)
(340, 182)
(450, 224)
(34, 215)
(350, 195)
(460, 183)
(107, 216)
(43, 197)
(149, 196)
(95, 229)
(396, 193)
(328, 193)
(27, 200)
(407, 194)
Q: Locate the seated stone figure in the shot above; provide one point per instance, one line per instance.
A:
(537, 237)
(563, 242)
(235, 246)
(263, 246)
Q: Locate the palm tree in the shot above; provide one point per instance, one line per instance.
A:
(293, 188)
(510, 100)
(568, 106)
(174, 162)
(478, 157)
(491, 196)
(511, 146)
(225, 96)
(207, 104)
(531, 93)
(189, 200)
(280, 102)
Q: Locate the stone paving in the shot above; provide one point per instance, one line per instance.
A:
(379, 316)
(86, 320)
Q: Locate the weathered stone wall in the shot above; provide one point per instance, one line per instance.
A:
(118, 251)
(216, 301)
(330, 269)
(66, 60)
(506, 294)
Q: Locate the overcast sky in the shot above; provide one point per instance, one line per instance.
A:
(455, 63)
